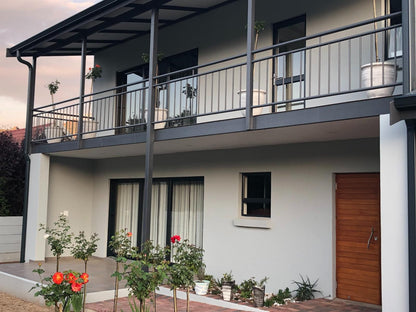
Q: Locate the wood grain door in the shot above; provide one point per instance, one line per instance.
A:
(358, 271)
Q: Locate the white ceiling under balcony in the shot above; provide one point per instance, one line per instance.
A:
(109, 23)
(319, 132)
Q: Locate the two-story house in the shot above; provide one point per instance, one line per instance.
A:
(278, 136)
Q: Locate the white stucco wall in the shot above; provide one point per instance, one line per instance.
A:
(71, 190)
(301, 237)
(37, 206)
(394, 226)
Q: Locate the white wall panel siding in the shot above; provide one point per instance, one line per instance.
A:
(71, 189)
(300, 236)
(10, 238)
(394, 227)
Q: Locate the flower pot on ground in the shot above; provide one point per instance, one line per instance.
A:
(201, 287)
(226, 292)
(258, 295)
(259, 98)
(378, 74)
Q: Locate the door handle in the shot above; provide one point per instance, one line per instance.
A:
(371, 236)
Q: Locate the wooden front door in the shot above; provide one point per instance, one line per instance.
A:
(358, 237)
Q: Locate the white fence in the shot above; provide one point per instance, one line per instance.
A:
(10, 238)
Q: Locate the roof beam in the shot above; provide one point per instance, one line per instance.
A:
(129, 14)
(133, 20)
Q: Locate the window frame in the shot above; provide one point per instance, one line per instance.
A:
(265, 201)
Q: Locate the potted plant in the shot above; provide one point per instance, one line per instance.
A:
(378, 73)
(53, 131)
(135, 124)
(259, 95)
(202, 283)
(259, 289)
(160, 113)
(190, 93)
(227, 284)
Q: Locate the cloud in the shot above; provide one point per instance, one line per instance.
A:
(19, 20)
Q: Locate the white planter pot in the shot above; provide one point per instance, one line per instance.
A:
(201, 287)
(226, 292)
(378, 70)
(259, 98)
(54, 133)
(89, 125)
(160, 114)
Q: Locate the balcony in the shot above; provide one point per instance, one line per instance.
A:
(302, 74)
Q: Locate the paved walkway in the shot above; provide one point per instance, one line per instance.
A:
(165, 303)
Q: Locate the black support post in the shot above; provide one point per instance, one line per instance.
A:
(27, 142)
(411, 212)
(250, 46)
(82, 90)
(150, 132)
(405, 46)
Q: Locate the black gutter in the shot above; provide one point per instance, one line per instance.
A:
(27, 150)
(411, 212)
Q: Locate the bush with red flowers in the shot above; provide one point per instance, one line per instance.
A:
(94, 72)
(62, 289)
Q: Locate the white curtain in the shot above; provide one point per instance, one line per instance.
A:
(159, 213)
(187, 211)
(128, 209)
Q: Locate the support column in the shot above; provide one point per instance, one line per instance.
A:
(394, 216)
(82, 89)
(150, 133)
(37, 207)
(250, 46)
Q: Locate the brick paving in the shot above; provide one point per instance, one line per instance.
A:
(165, 303)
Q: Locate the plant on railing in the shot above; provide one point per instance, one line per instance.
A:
(58, 237)
(120, 244)
(187, 262)
(63, 290)
(145, 274)
(83, 249)
(93, 74)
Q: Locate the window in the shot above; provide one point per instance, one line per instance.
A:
(177, 208)
(256, 191)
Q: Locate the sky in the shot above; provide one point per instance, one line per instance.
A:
(20, 20)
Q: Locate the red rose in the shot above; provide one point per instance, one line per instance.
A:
(76, 287)
(70, 278)
(129, 234)
(175, 238)
(58, 278)
(98, 66)
(85, 277)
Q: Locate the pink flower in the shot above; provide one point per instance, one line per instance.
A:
(129, 234)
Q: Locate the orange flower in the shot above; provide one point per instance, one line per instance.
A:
(76, 287)
(58, 278)
(85, 277)
(129, 234)
(70, 278)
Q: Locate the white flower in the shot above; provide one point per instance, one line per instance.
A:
(46, 236)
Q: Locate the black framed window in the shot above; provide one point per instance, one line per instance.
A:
(256, 192)
(177, 209)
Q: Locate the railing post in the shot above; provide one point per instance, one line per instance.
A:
(250, 46)
(82, 89)
(147, 200)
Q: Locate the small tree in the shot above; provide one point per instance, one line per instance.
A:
(53, 87)
(83, 249)
(12, 176)
(120, 244)
(58, 237)
(187, 262)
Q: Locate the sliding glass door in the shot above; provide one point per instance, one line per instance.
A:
(177, 209)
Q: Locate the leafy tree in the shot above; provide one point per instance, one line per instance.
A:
(12, 176)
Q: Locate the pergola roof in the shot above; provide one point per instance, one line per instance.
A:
(109, 23)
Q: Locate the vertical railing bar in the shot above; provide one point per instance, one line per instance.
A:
(339, 66)
(319, 66)
(395, 52)
(382, 57)
(233, 88)
(371, 57)
(225, 89)
(360, 61)
(310, 73)
(205, 93)
(329, 69)
(300, 73)
(212, 92)
(349, 64)
(267, 81)
(219, 90)
(241, 82)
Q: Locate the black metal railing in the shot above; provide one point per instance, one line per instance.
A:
(328, 69)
